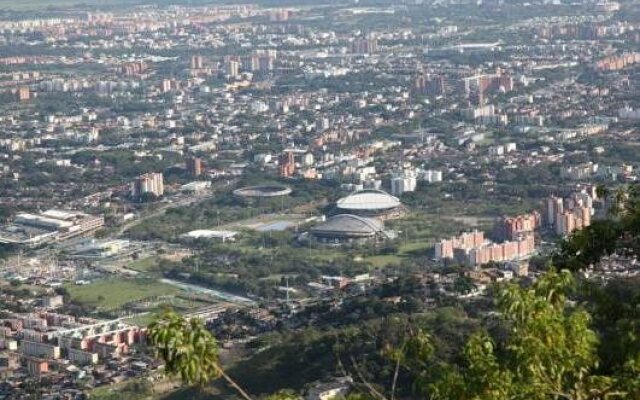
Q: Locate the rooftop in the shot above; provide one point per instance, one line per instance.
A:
(368, 200)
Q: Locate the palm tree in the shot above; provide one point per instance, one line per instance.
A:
(189, 350)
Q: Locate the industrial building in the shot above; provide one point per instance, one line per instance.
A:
(223, 236)
(195, 187)
(102, 249)
(52, 225)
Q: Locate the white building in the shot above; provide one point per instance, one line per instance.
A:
(405, 181)
(432, 176)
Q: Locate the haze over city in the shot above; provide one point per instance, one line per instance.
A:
(293, 199)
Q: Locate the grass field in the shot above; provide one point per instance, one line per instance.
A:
(113, 293)
(405, 251)
(143, 264)
(384, 260)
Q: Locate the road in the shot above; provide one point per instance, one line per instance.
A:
(226, 296)
(181, 202)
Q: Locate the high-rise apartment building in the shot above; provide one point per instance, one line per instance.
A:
(233, 68)
(364, 46)
(287, 164)
(509, 228)
(196, 62)
(405, 181)
(570, 214)
(471, 248)
(165, 85)
(151, 183)
(24, 93)
(194, 166)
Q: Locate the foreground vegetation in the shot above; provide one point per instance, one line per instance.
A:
(561, 337)
(539, 346)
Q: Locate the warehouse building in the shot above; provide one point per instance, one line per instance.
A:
(52, 225)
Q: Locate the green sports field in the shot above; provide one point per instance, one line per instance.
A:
(114, 292)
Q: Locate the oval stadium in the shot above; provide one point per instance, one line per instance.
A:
(262, 191)
(348, 228)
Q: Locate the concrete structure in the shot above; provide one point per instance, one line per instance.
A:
(101, 249)
(510, 228)
(223, 236)
(42, 350)
(151, 183)
(52, 225)
(347, 228)
(53, 301)
(194, 166)
(570, 214)
(81, 357)
(37, 367)
(364, 46)
(466, 241)
(497, 252)
(432, 176)
(196, 62)
(287, 164)
(24, 93)
(195, 187)
(471, 248)
(368, 202)
(233, 68)
(405, 181)
(262, 191)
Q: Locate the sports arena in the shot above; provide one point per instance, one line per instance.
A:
(262, 191)
(370, 203)
(346, 228)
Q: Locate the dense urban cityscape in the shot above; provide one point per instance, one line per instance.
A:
(314, 182)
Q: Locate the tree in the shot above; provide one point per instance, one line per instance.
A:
(550, 351)
(542, 348)
(188, 349)
(284, 394)
(587, 246)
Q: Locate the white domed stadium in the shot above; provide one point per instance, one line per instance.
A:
(369, 202)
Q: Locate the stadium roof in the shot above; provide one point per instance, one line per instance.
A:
(348, 225)
(210, 234)
(368, 200)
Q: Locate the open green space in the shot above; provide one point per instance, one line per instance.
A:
(405, 251)
(115, 292)
(144, 264)
(141, 320)
(384, 260)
